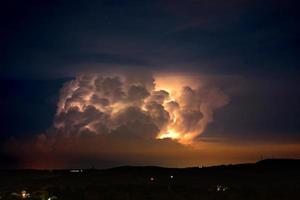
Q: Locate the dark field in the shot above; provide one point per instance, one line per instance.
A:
(267, 179)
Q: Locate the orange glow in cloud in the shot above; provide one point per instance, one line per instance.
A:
(179, 105)
(175, 86)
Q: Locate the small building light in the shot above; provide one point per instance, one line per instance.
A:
(74, 170)
(24, 194)
(221, 188)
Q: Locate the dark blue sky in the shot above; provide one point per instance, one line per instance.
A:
(45, 43)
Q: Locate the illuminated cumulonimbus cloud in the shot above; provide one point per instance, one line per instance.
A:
(156, 106)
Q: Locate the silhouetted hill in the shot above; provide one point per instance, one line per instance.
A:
(272, 163)
(266, 179)
(288, 163)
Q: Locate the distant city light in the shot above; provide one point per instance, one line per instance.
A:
(76, 170)
(171, 176)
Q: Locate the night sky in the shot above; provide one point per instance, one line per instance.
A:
(247, 50)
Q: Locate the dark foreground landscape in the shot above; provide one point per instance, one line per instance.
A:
(266, 179)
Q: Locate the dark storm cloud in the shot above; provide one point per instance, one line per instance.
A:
(243, 36)
(30, 104)
(137, 93)
(264, 109)
(218, 36)
(105, 58)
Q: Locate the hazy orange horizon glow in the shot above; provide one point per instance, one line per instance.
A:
(193, 155)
